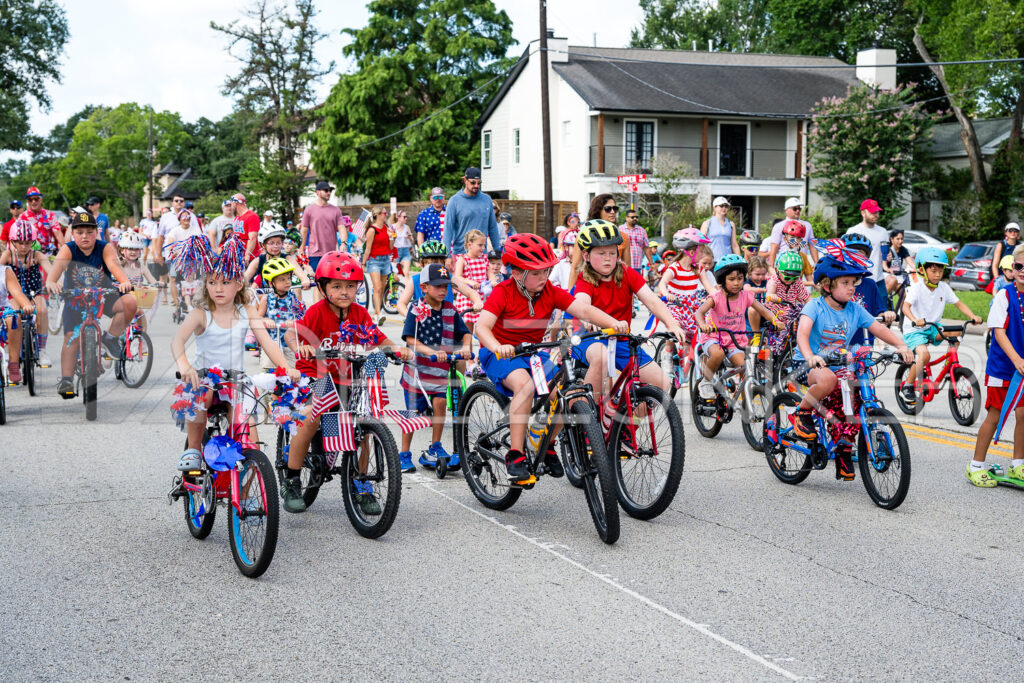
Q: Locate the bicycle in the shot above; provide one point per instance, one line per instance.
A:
(4, 357)
(89, 365)
(373, 465)
(482, 437)
(454, 392)
(964, 389)
(647, 474)
(745, 385)
(882, 449)
(246, 487)
(136, 360)
(676, 361)
(29, 355)
(393, 286)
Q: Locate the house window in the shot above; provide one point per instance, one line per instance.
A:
(566, 132)
(515, 144)
(486, 149)
(639, 145)
(732, 149)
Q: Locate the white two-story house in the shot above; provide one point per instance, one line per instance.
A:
(738, 125)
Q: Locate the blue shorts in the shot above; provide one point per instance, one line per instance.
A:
(928, 335)
(314, 261)
(404, 253)
(379, 264)
(415, 400)
(497, 369)
(621, 352)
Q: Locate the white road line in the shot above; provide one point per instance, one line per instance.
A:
(550, 548)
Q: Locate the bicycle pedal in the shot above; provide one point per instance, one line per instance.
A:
(528, 482)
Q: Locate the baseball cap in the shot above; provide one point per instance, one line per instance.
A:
(93, 200)
(870, 205)
(436, 192)
(472, 173)
(1011, 226)
(560, 229)
(268, 212)
(189, 205)
(15, 204)
(83, 219)
(33, 192)
(438, 275)
(793, 203)
(324, 185)
(238, 198)
(720, 201)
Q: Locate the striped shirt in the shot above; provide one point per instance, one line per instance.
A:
(684, 282)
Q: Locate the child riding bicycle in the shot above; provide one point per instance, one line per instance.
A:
(29, 265)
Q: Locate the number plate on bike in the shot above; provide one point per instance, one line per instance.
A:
(540, 380)
(611, 357)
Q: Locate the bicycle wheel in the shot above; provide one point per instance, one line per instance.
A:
(669, 364)
(647, 468)
(571, 467)
(392, 294)
(907, 407)
(3, 393)
(753, 418)
(382, 481)
(787, 464)
(363, 293)
(200, 512)
(28, 358)
(254, 532)
(136, 360)
(480, 433)
(964, 397)
(90, 375)
(783, 367)
(587, 442)
(55, 313)
(886, 474)
(705, 415)
(313, 467)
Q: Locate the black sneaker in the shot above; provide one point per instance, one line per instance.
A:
(113, 346)
(66, 388)
(516, 466)
(291, 494)
(908, 393)
(844, 464)
(554, 464)
(803, 425)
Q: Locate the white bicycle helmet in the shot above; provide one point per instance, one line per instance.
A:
(131, 240)
(268, 231)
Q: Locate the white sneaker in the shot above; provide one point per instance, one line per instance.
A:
(44, 360)
(706, 391)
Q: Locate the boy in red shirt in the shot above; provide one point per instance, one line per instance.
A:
(337, 316)
(517, 312)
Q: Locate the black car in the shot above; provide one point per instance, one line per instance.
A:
(972, 266)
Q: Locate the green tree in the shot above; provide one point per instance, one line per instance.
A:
(413, 61)
(218, 152)
(858, 153)
(32, 37)
(109, 155)
(277, 85)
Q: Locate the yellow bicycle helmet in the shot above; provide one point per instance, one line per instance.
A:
(598, 233)
(276, 266)
(1006, 263)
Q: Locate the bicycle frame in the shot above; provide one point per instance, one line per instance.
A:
(950, 360)
(623, 392)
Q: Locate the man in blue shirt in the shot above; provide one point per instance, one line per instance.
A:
(469, 209)
(102, 221)
(428, 222)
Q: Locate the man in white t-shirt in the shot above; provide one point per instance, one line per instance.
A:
(147, 228)
(776, 241)
(877, 235)
(215, 230)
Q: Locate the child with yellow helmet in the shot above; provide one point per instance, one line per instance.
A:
(278, 304)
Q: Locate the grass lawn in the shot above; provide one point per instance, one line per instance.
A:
(976, 301)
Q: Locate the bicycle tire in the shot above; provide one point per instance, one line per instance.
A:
(384, 458)
(707, 426)
(3, 395)
(28, 359)
(962, 417)
(637, 506)
(901, 401)
(890, 462)
(392, 294)
(572, 471)
(90, 374)
(253, 552)
(669, 364)
(782, 368)
(486, 476)
(363, 293)
(754, 417)
(199, 524)
(142, 357)
(778, 456)
(313, 467)
(586, 437)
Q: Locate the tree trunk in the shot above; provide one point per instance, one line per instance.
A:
(967, 134)
(1018, 116)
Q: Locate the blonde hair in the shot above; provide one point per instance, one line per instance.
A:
(473, 236)
(590, 275)
(1019, 249)
(703, 251)
(243, 297)
(756, 262)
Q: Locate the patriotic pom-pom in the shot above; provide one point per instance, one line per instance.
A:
(288, 396)
(231, 263)
(193, 257)
(190, 400)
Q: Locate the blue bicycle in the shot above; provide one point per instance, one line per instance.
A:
(882, 451)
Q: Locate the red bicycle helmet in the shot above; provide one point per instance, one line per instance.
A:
(794, 228)
(338, 265)
(528, 251)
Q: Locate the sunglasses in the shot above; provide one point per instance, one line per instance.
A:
(611, 209)
(438, 196)
(1018, 266)
(751, 249)
(788, 277)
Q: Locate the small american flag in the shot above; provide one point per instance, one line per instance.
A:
(325, 396)
(421, 311)
(373, 372)
(408, 421)
(359, 227)
(337, 432)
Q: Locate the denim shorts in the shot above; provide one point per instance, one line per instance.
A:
(404, 253)
(379, 264)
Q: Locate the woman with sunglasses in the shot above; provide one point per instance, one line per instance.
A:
(377, 243)
(1011, 238)
(720, 230)
(602, 207)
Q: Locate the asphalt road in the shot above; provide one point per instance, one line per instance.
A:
(742, 578)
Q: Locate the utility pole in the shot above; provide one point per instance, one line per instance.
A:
(151, 158)
(545, 117)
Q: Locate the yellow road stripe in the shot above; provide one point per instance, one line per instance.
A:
(953, 437)
(993, 450)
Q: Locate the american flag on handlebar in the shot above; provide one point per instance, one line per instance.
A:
(376, 396)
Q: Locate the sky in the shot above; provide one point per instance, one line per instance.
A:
(166, 55)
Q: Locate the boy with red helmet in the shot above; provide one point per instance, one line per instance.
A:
(517, 312)
(338, 276)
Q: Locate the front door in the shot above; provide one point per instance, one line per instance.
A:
(732, 152)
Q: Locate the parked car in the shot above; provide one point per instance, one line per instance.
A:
(972, 266)
(915, 240)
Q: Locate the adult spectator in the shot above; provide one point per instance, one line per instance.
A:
(249, 223)
(776, 241)
(187, 227)
(877, 235)
(92, 204)
(430, 221)
(323, 227)
(16, 210)
(226, 219)
(720, 230)
(48, 232)
(160, 249)
(1011, 238)
(147, 228)
(639, 245)
(403, 240)
(469, 209)
(377, 243)
(268, 221)
(602, 206)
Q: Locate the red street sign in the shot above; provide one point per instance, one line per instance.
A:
(632, 179)
(634, 188)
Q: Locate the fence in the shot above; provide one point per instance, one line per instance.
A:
(527, 215)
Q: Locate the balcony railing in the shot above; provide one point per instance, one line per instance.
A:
(757, 163)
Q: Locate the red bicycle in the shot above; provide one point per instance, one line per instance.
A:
(964, 390)
(643, 432)
(235, 473)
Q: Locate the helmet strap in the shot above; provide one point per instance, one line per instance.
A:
(841, 304)
(522, 290)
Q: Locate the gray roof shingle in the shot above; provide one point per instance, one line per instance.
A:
(945, 140)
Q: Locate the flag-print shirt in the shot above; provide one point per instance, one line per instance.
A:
(430, 223)
(432, 374)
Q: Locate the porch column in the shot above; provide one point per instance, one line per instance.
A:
(799, 148)
(704, 149)
(600, 143)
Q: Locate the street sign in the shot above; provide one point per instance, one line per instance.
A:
(632, 179)
(635, 188)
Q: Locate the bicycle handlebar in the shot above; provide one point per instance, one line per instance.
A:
(71, 293)
(948, 328)
(450, 357)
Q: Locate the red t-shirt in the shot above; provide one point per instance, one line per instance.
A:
(5, 234)
(251, 225)
(614, 299)
(381, 242)
(319, 323)
(515, 325)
